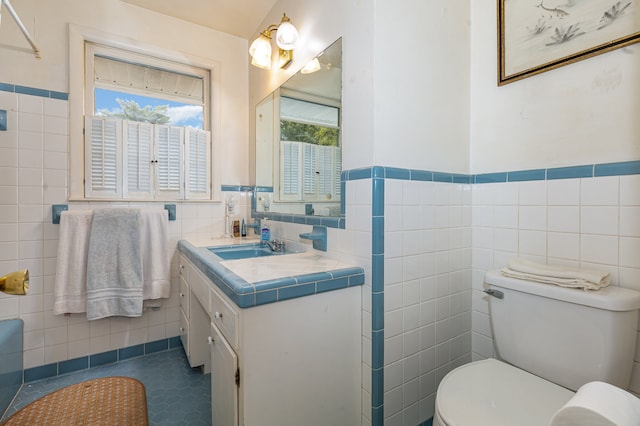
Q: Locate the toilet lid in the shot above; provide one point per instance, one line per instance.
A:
(491, 392)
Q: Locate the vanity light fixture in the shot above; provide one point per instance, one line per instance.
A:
(286, 39)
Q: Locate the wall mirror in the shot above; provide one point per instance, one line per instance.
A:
(298, 141)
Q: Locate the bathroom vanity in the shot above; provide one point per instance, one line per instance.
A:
(281, 335)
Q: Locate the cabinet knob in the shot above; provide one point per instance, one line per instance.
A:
(181, 294)
(181, 329)
(217, 315)
(210, 340)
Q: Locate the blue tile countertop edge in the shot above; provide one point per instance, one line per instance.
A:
(246, 295)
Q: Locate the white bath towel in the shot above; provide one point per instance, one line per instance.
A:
(70, 288)
(155, 257)
(599, 404)
(114, 264)
(559, 275)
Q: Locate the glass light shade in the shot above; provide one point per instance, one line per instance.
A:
(263, 62)
(260, 52)
(287, 36)
(260, 45)
(311, 66)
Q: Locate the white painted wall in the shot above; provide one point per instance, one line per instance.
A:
(421, 85)
(583, 113)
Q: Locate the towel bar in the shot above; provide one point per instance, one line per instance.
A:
(57, 209)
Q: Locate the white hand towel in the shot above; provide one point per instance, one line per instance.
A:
(599, 404)
(114, 264)
(555, 274)
(155, 256)
(70, 289)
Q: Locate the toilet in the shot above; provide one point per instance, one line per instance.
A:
(549, 341)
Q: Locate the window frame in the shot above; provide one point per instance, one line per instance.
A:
(78, 37)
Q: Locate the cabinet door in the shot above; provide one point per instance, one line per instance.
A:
(224, 390)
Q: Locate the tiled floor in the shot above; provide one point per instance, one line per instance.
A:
(176, 393)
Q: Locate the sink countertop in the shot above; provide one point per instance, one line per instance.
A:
(260, 280)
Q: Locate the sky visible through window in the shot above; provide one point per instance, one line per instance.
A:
(180, 114)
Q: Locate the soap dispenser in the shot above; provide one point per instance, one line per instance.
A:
(265, 234)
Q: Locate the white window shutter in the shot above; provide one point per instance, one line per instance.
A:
(309, 168)
(169, 161)
(290, 170)
(198, 164)
(138, 156)
(103, 164)
(325, 173)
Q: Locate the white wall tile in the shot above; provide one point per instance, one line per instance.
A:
(630, 190)
(532, 193)
(30, 122)
(393, 375)
(563, 192)
(630, 221)
(532, 243)
(601, 191)
(30, 104)
(564, 246)
(599, 249)
(505, 216)
(564, 219)
(629, 249)
(56, 107)
(532, 217)
(505, 193)
(599, 220)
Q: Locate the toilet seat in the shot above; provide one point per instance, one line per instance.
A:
(494, 393)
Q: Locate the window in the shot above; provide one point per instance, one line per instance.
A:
(146, 127)
(310, 152)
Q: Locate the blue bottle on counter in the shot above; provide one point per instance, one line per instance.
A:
(265, 234)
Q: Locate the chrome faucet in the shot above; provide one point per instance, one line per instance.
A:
(276, 245)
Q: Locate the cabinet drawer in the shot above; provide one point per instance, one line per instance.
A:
(183, 267)
(184, 332)
(199, 286)
(224, 317)
(184, 296)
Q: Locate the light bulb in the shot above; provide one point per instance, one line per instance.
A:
(287, 35)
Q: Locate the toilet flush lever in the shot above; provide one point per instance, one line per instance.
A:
(494, 293)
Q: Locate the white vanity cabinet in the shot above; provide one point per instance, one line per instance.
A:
(293, 362)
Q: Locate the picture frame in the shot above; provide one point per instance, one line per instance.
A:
(535, 36)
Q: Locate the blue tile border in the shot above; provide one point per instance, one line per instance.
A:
(554, 173)
(617, 169)
(247, 295)
(97, 360)
(33, 91)
(573, 172)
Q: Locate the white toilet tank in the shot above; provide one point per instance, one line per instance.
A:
(567, 336)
